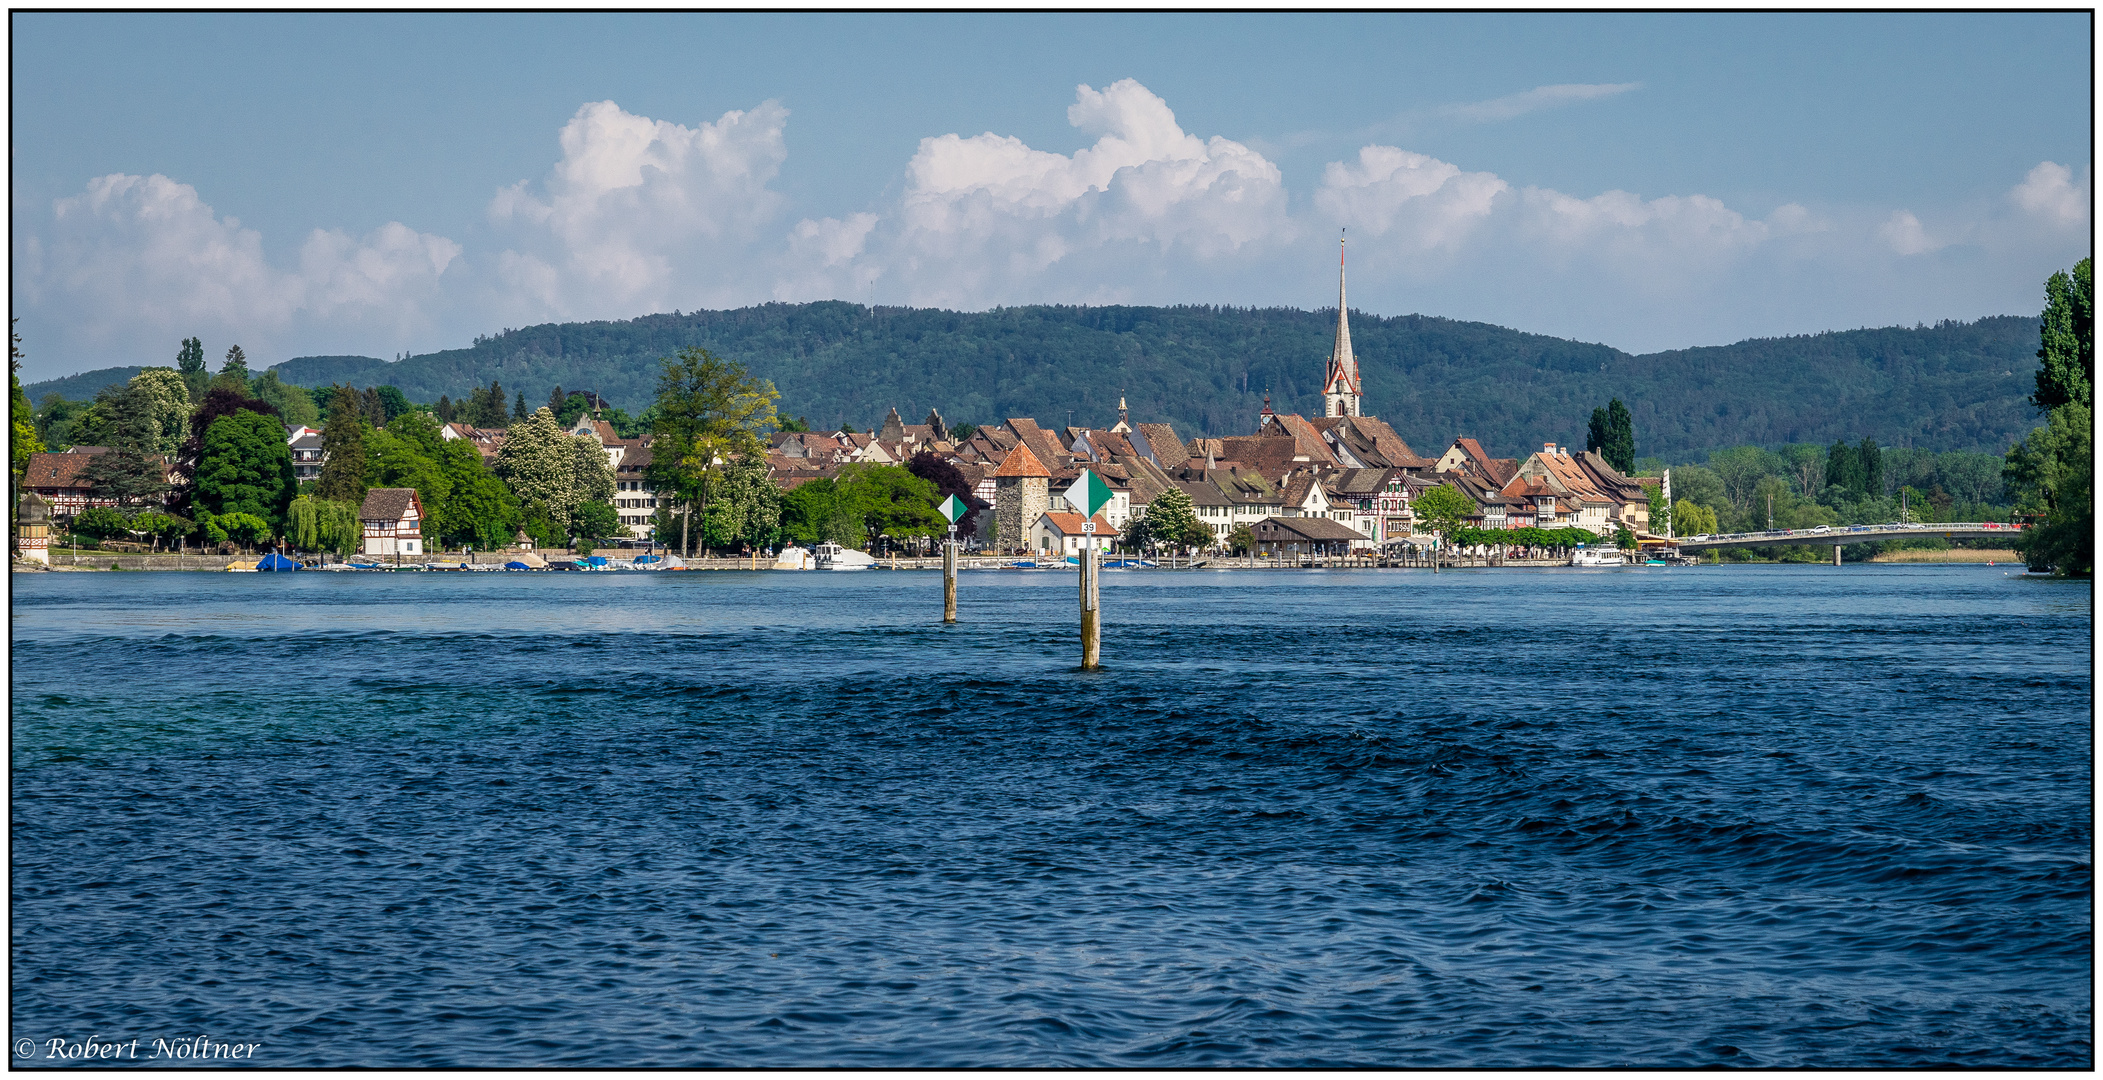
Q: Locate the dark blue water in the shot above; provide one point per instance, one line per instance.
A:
(1746, 816)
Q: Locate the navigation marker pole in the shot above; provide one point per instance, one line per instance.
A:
(952, 508)
(1087, 496)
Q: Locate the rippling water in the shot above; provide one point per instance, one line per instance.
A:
(1749, 816)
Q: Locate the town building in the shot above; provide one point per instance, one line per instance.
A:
(393, 520)
(1062, 533)
(1021, 494)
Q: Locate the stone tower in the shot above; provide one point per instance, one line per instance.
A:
(1021, 494)
(1340, 387)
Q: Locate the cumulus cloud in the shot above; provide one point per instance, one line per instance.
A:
(2049, 192)
(983, 217)
(1430, 204)
(1906, 235)
(149, 259)
(638, 213)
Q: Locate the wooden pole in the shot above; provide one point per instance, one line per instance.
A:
(949, 581)
(1091, 615)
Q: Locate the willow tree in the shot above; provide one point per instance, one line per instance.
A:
(709, 411)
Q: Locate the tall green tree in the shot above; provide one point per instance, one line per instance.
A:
(481, 511)
(1619, 449)
(189, 362)
(2052, 471)
(233, 374)
(22, 438)
(133, 470)
(162, 394)
(1844, 467)
(2067, 346)
(1872, 466)
(709, 411)
(551, 471)
(246, 468)
(343, 449)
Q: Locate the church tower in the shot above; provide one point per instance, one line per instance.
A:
(1340, 387)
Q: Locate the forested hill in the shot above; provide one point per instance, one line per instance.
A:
(1953, 386)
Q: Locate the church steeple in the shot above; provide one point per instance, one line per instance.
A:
(1340, 387)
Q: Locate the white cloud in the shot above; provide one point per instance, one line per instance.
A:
(1516, 105)
(143, 258)
(1905, 234)
(640, 214)
(1431, 203)
(983, 218)
(2051, 193)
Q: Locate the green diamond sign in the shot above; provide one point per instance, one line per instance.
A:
(1089, 494)
(953, 508)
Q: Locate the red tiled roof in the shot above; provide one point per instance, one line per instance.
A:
(1022, 463)
(1069, 524)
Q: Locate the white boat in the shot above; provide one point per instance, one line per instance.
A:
(834, 557)
(794, 558)
(1597, 557)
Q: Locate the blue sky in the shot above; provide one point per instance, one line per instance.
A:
(384, 183)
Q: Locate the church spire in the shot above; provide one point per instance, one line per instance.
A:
(1340, 387)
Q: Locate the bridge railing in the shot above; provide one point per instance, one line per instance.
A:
(1860, 533)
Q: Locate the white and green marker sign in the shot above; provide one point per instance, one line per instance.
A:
(953, 508)
(1089, 494)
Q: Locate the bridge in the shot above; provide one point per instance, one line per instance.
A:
(1842, 535)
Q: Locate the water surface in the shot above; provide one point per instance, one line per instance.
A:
(1750, 816)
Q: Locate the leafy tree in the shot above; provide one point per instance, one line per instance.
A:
(324, 525)
(246, 468)
(709, 411)
(101, 522)
(132, 471)
(393, 402)
(816, 512)
(294, 404)
(1741, 468)
(1167, 521)
(22, 439)
(481, 511)
(1872, 466)
(1844, 468)
(161, 394)
(791, 423)
(1620, 448)
(572, 407)
(2067, 346)
(1624, 539)
(1660, 510)
(233, 374)
(248, 530)
(164, 528)
(1443, 510)
(744, 505)
(1241, 541)
(552, 471)
(189, 362)
(596, 521)
(948, 480)
(343, 449)
(1693, 519)
(889, 500)
(58, 421)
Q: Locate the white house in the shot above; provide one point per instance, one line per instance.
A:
(1066, 533)
(393, 519)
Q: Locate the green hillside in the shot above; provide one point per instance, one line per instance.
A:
(1952, 386)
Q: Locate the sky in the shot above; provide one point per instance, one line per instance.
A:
(380, 184)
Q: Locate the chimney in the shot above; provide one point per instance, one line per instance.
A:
(1548, 449)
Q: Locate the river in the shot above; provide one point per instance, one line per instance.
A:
(1753, 816)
